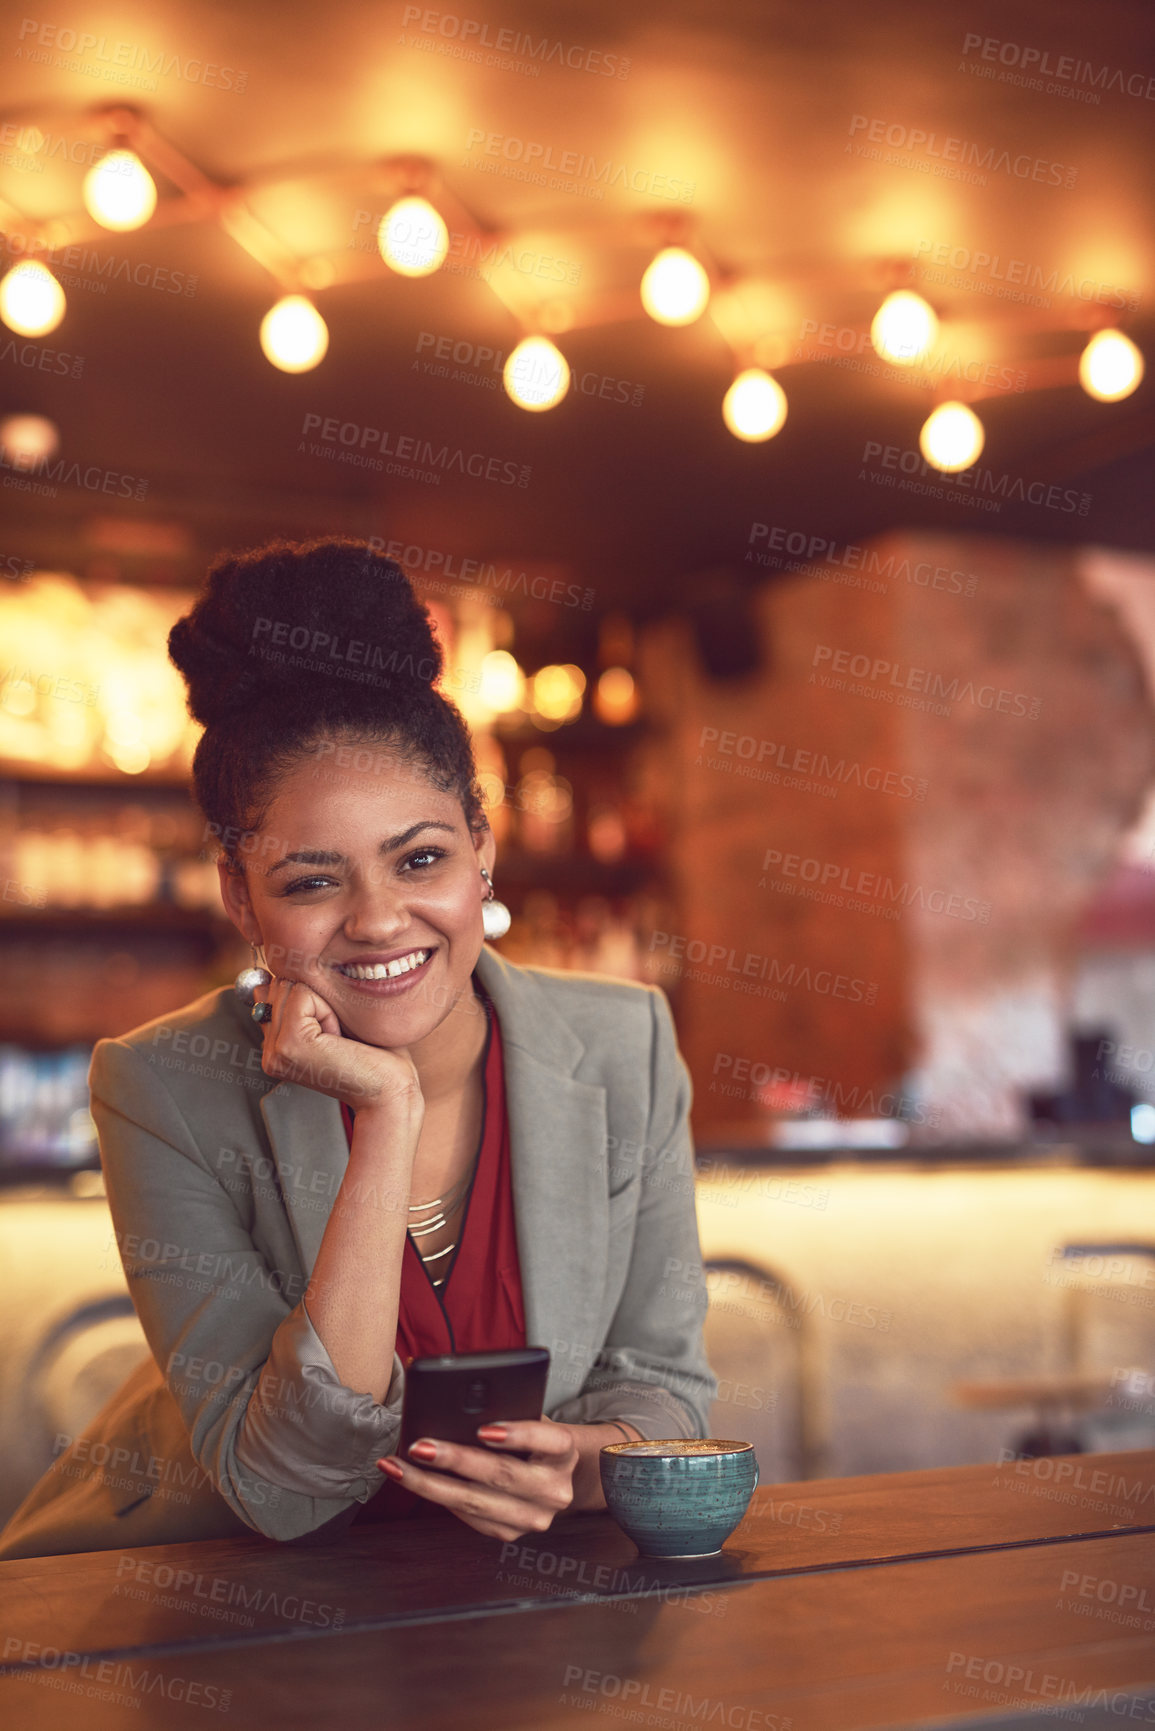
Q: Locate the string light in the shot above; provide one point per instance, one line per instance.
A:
(754, 407)
(556, 691)
(28, 439)
(536, 374)
(675, 289)
(1110, 367)
(951, 438)
(31, 300)
(904, 328)
(412, 238)
(616, 697)
(119, 192)
(294, 336)
(502, 683)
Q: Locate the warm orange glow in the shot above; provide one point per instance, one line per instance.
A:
(31, 300)
(1110, 367)
(675, 289)
(502, 682)
(616, 697)
(556, 692)
(83, 689)
(119, 192)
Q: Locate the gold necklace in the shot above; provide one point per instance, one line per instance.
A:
(437, 1214)
(449, 1203)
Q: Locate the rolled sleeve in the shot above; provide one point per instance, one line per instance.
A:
(281, 1439)
(656, 1414)
(304, 1430)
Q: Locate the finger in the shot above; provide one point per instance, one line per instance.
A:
(503, 1472)
(297, 1026)
(473, 1502)
(537, 1436)
(274, 995)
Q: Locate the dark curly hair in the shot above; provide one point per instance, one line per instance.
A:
(297, 642)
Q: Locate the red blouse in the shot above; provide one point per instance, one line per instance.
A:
(479, 1306)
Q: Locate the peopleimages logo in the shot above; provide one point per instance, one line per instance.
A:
(477, 255)
(437, 568)
(806, 549)
(470, 35)
(37, 357)
(948, 157)
(1016, 272)
(348, 441)
(98, 269)
(926, 373)
(41, 476)
(755, 968)
(865, 891)
(746, 1077)
(977, 479)
(1063, 68)
(529, 160)
(805, 767)
(118, 62)
(939, 692)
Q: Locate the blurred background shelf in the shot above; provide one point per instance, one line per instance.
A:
(155, 917)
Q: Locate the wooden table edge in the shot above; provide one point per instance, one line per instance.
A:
(511, 1607)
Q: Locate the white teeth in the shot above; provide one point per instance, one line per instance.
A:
(385, 970)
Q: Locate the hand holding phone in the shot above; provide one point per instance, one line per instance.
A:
(449, 1397)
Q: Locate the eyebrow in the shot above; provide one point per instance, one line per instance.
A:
(320, 856)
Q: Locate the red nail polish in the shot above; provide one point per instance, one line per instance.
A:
(492, 1432)
(392, 1469)
(423, 1451)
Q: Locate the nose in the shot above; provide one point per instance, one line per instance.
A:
(380, 911)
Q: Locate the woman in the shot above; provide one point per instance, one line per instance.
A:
(396, 1143)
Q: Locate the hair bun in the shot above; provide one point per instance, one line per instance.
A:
(293, 611)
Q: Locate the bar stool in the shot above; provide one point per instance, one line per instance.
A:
(761, 1295)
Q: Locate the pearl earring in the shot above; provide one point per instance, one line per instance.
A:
(250, 978)
(495, 916)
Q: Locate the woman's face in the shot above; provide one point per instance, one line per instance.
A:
(365, 883)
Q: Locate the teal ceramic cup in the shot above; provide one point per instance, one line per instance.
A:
(681, 1498)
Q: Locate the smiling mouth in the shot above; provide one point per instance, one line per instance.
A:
(384, 970)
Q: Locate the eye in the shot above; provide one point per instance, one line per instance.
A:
(305, 884)
(430, 854)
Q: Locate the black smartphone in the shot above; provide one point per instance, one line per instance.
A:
(447, 1398)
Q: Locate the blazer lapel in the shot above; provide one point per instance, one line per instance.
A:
(558, 1137)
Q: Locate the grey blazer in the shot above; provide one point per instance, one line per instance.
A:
(220, 1183)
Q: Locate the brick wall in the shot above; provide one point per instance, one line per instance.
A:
(889, 832)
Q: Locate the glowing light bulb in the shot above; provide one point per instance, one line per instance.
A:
(616, 697)
(755, 406)
(951, 438)
(28, 439)
(502, 685)
(119, 192)
(675, 288)
(903, 328)
(536, 374)
(31, 300)
(413, 239)
(557, 691)
(294, 336)
(1110, 367)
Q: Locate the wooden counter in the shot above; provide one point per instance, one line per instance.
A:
(837, 1603)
